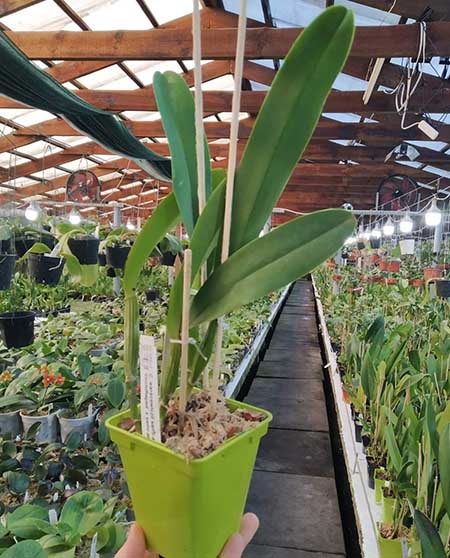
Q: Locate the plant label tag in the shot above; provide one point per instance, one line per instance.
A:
(93, 552)
(150, 419)
(52, 517)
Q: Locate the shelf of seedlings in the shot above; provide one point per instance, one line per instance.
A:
(233, 387)
(367, 513)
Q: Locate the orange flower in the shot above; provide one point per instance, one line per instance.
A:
(46, 382)
(6, 376)
(60, 380)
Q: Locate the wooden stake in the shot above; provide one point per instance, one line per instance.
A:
(199, 131)
(234, 128)
(185, 329)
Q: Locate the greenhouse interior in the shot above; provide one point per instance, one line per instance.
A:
(225, 278)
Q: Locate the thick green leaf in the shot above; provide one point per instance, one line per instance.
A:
(375, 333)
(163, 219)
(115, 392)
(430, 415)
(392, 448)
(25, 549)
(271, 262)
(18, 483)
(176, 105)
(82, 511)
(430, 541)
(84, 366)
(287, 120)
(368, 376)
(444, 466)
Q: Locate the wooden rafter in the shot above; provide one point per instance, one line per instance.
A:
(218, 43)
(8, 7)
(439, 9)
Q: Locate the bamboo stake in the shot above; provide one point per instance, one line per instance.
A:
(232, 157)
(185, 330)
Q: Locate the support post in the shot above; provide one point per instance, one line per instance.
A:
(117, 220)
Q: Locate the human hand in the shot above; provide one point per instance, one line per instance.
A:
(136, 547)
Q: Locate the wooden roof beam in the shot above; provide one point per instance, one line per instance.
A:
(8, 7)
(217, 43)
(411, 8)
(220, 101)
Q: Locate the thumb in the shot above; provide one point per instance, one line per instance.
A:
(135, 546)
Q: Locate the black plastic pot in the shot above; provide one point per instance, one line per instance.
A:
(17, 329)
(152, 294)
(6, 246)
(443, 288)
(116, 256)
(7, 262)
(101, 259)
(358, 432)
(375, 243)
(168, 259)
(85, 249)
(365, 442)
(110, 272)
(371, 467)
(45, 270)
(24, 243)
(360, 245)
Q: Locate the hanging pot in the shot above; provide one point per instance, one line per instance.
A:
(48, 430)
(390, 548)
(152, 295)
(83, 425)
(168, 259)
(44, 269)
(375, 243)
(85, 249)
(407, 246)
(443, 288)
(17, 329)
(199, 502)
(7, 262)
(24, 243)
(11, 424)
(101, 259)
(116, 256)
(431, 273)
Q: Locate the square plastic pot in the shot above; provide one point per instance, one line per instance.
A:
(388, 509)
(379, 484)
(82, 425)
(390, 548)
(48, 430)
(10, 423)
(188, 509)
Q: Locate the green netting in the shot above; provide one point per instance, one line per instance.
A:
(22, 81)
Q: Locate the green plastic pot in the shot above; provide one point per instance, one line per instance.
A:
(390, 548)
(379, 484)
(188, 509)
(388, 509)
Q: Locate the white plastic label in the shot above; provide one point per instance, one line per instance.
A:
(150, 420)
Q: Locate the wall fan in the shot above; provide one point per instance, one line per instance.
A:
(397, 192)
(83, 185)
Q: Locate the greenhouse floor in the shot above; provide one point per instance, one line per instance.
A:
(293, 488)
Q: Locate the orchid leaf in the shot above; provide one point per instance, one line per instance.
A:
(430, 541)
(444, 466)
(271, 262)
(163, 219)
(176, 105)
(287, 120)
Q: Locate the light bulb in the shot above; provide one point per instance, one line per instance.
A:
(376, 233)
(74, 217)
(130, 225)
(433, 216)
(406, 224)
(32, 212)
(389, 228)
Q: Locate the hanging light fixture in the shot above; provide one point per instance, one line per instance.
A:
(389, 228)
(130, 225)
(433, 215)
(406, 224)
(376, 233)
(74, 217)
(32, 211)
